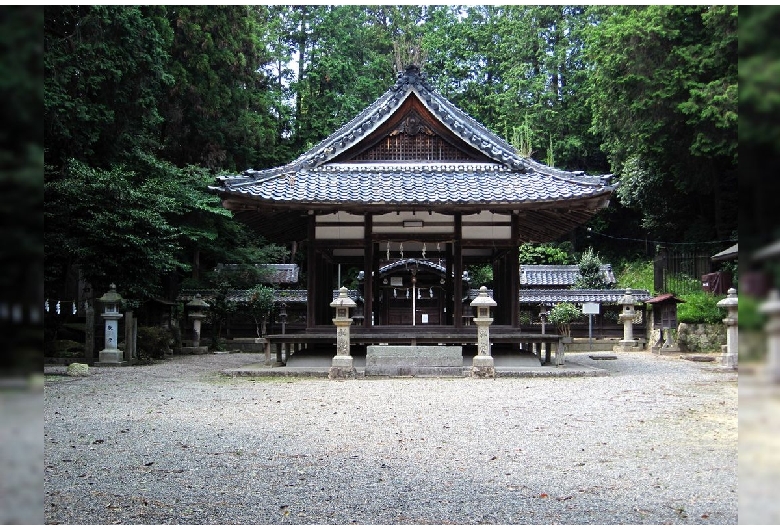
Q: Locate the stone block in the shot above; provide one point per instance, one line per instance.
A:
(78, 370)
(394, 360)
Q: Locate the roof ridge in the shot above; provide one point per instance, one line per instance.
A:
(412, 80)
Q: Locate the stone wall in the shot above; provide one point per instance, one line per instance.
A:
(701, 337)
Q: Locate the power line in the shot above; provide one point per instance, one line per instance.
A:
(591, 231)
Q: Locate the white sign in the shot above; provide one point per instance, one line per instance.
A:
(590, 308)
(396, 281)
(424, 318)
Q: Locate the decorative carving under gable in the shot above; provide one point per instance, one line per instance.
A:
(413, 139)
(412, 124)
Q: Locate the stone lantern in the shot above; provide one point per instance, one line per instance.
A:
(342, 366)
(627, 316)
(483, 365)
(772, 309)
(729, 358)
(111, 355)
(196, 311)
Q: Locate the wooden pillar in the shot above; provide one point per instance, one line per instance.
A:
(368, 270)
(311, 266)
(514, 273)
(457, 269)
(448, 286)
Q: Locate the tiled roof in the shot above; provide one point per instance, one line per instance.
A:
(605, 296)
(415, 184)
(664, 298)
(271, 272)
(242, 295)
(314, 179)
(554, 296)
(527, 296)
(557, 275)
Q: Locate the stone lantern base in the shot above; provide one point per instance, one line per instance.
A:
(111, 358)
(483, 367)
(342, 367)
(626, 346)
(728, 360)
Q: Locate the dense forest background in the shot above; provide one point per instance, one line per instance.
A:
(144, 105)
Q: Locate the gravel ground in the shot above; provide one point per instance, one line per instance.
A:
(654, 442)
(759, 448)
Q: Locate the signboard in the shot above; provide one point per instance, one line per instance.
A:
(396, 281)
(590, 308)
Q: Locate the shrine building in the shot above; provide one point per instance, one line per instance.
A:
(411, 192)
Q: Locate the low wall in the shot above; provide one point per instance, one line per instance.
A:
(701, 337)
(246, 345)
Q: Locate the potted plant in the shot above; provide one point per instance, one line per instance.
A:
(562, 315)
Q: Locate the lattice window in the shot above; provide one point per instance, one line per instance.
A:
(418, 147)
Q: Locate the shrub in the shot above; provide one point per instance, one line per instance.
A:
(562, 315)
(152, 343)
(700, 308)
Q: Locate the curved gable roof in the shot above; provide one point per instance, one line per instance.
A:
(491, 177)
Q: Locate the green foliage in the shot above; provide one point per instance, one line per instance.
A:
(480, 275)
(220, 309)
(663, 94)
(144, 103)
(700, 308)
(105, 73)
(261, 301)
(545, 254)
(153, 343)
(590, 276)
(524, 83)
(750, 316)
(562, 315)
(636, 275)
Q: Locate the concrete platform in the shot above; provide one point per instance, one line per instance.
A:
(317, 362)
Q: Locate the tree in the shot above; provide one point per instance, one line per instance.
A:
(544, 254)
(105, 71)
(261, 301)
(220, 111)
(590, 275)
(220, 309)
(663, 95)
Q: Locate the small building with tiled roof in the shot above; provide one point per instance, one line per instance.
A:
(412, 176)
(560, 276)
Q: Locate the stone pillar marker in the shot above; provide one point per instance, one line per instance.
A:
(729, 358)
(483, 365)
(628, 301)
(342, 365)
(111, 355)
(772, 309)
(196, 312)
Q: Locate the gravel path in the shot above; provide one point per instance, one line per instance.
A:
(759, 448)
(654, 442)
